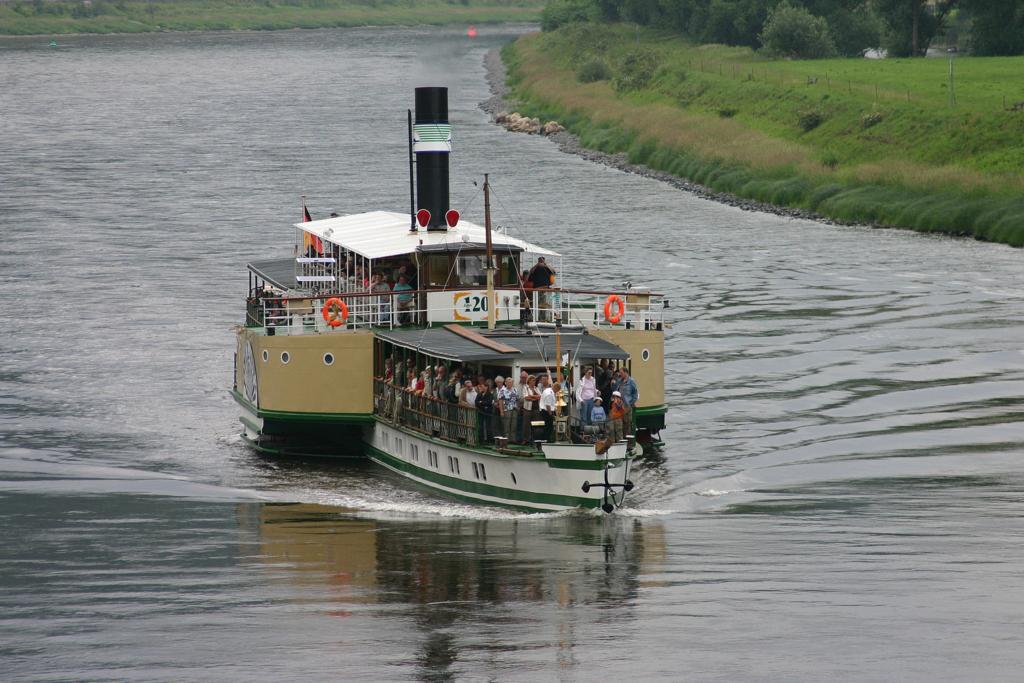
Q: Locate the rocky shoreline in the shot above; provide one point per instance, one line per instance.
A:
(498, 103)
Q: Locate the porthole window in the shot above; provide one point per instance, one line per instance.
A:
(266, 355)
(285, 357)
(646, 355)
(328, 359)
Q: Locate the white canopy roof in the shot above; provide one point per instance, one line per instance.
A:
(380, 234)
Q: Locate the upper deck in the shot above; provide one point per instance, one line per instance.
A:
(291, 311)
(388, 275)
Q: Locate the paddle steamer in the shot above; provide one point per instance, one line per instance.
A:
(320, 361)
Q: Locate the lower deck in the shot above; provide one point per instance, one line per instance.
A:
(551, 480)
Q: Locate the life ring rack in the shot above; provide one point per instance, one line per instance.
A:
(621, 308)
(335, 312)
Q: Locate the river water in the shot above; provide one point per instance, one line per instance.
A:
(840, 496)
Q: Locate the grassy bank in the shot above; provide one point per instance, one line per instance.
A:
(106, 16)
(873, 141)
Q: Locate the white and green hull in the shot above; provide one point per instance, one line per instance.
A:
(551, 480)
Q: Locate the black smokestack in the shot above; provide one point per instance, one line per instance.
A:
(432, 143)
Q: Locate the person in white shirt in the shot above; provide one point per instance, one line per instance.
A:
(548, 406)
(467, 398)
(520, 387)
(586, 390)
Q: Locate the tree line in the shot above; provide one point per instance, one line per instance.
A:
(816, 28)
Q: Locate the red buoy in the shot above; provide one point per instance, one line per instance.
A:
(471, 32)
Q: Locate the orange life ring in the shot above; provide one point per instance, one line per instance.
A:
(335, 318)
(614, 299)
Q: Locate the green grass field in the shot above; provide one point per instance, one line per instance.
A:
(876, 141)
(128, 16)
(981, 84)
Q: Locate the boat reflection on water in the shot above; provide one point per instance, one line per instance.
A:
(317, 544)
(464, 571)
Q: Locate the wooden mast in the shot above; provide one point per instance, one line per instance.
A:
(492, 304)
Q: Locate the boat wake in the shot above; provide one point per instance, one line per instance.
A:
(714, 493)
(397, 504)
(26, 470)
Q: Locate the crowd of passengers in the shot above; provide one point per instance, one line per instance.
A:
(508, 408)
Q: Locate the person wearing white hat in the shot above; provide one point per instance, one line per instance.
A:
(597, 415)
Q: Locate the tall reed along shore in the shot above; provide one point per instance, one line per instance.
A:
(908, 143)
(54, 17)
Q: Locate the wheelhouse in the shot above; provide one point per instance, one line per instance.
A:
(362, 259)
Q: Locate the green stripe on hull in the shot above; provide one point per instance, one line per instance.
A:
(298, 451)
(513, 497)
(582, 464)
(287, 416)
(651, 410)
(651, 417)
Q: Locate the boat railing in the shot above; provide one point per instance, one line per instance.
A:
(633, 308)
(425, 414)
(304, 314)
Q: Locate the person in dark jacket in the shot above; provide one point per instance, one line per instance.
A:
(485, 411)
(542, 276)
(604, 383)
